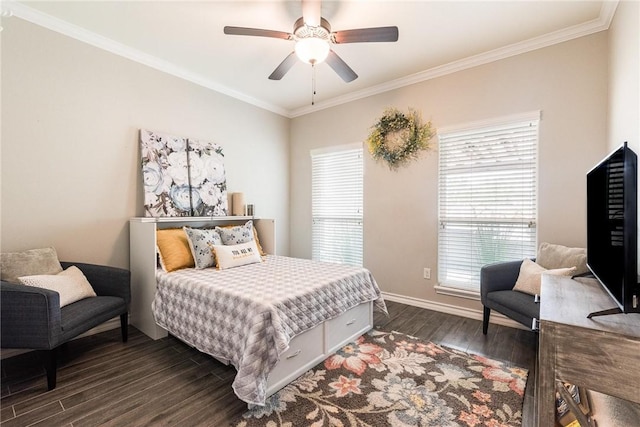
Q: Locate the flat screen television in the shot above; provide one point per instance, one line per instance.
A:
(612, 228)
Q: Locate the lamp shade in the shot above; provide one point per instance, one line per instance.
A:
(312, 50)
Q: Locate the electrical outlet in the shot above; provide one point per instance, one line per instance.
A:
(427, 273)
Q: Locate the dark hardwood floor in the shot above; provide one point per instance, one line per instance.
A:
(102, 381)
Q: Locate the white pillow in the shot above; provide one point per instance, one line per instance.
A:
(71, 284)
(229, 256)
(530, 276)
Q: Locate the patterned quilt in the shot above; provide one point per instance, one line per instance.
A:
(248, 315)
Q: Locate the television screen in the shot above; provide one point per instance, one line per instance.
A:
(612, 226)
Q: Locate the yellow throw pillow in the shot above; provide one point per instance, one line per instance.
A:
(530, 276)
(174, 250)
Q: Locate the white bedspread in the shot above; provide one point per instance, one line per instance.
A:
(248, 315)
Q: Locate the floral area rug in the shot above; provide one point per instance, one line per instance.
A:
(392, 379)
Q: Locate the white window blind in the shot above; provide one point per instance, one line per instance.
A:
(337, 194)
(487, 200)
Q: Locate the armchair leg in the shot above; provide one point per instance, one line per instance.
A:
(485, 319)
(51, 366)
(124, 325)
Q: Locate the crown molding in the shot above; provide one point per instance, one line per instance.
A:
(34, 16)
(601, 23)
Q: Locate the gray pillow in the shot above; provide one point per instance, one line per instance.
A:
(201, 242)
(28, 263)
(552, 256)
(236, 234)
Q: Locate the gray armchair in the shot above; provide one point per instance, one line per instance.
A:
(32, 318)
(496, 293)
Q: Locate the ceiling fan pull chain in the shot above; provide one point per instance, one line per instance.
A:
(313, 84)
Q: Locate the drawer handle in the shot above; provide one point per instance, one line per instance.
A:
(351, 322)
(291, 356)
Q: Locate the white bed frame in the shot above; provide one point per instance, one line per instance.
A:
(305, 350)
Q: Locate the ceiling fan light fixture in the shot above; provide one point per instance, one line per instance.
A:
(312, 50)
(313, 41)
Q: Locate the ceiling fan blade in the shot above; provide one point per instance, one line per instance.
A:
(340, 67)
(311, 12)
(242, 31)
(364, 35)
(284, 66)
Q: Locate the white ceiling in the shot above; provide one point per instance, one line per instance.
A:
(185, 38)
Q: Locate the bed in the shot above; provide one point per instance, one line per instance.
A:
(297, 347)
(271, 320)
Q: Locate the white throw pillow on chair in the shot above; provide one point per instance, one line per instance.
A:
(71, 284)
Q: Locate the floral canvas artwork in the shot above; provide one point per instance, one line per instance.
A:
(207, 178)
(182, 177)
(165, 174)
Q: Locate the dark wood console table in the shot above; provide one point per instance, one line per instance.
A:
(600, 354)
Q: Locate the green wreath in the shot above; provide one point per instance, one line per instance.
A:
(408, 127)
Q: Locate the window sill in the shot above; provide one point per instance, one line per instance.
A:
(457, 292)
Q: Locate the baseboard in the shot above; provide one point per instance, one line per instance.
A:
(496, 318)
(106, 326)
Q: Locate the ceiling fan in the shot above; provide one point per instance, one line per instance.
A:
(313, 37)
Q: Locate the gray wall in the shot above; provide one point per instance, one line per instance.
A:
(567, 82)
(70, 155)
(623, 119)
(70, 173)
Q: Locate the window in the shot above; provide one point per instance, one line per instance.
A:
(487, 199)
(337, 181)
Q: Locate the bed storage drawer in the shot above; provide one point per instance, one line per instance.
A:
(305, 350)
(348, 326)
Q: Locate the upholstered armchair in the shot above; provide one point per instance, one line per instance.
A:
(496, 293)
(32, 318)
(513, 287)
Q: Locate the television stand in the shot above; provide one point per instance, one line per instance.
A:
(604, 312)
(598, 354)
